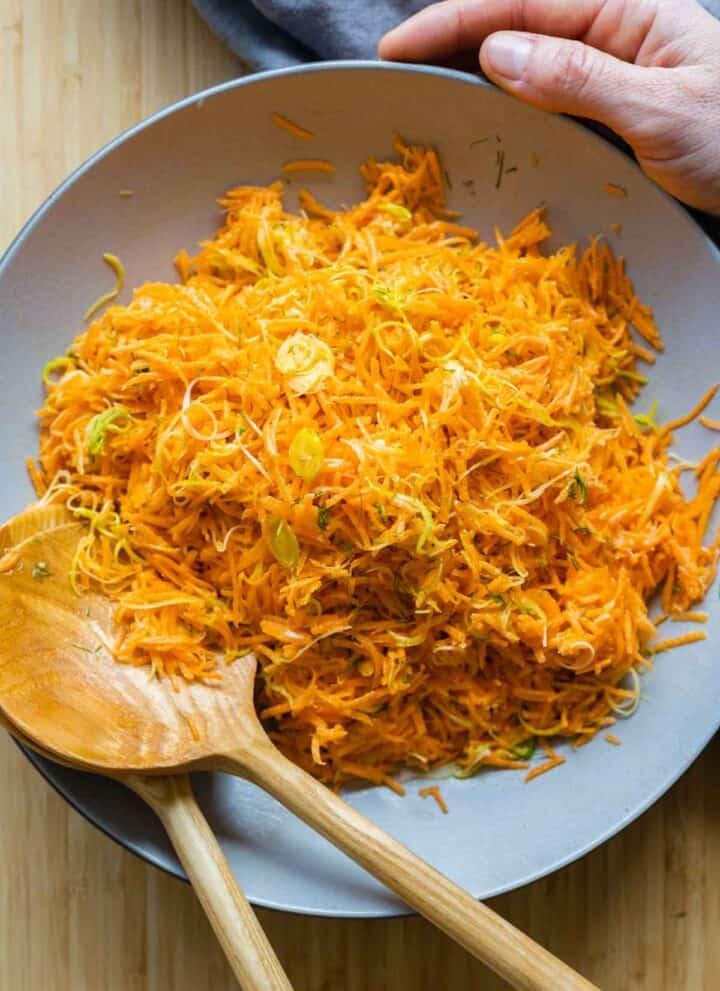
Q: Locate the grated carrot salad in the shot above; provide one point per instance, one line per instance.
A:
(396, 464)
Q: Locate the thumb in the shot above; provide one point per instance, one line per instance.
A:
(573, 78)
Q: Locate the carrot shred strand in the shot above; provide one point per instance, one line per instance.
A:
(434, 792)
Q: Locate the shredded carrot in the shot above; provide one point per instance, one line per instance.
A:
(192, 727)
(694, 412)
(126, 193)
(393, 785)
(611, 738)
(292, 127)
(682, 640)
(434, 792)
(36, 477)
(548, 765)
(710, 424)
(308, 165)
(616, 228)
(690, 617)
(615, 190)
(398, 465)
(661, 619)
(116, 265)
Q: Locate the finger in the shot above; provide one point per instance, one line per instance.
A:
(574, 78)
(454, 25)
(623, 29)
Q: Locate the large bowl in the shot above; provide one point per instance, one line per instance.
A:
(500, 832)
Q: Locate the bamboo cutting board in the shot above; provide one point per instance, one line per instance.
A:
(77, 913)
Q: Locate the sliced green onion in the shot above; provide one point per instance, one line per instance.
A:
(608, 407)
(409, 503)
(306, 454)
(402, 641)
(267, 250)
(475, 764)
(101, 425)
(396, 210)
(624, 373)
(648, 419)
(525, 750)
(283, 543)
(387, 298)
(56, 365)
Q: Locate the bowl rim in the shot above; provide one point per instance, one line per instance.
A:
(46, 768)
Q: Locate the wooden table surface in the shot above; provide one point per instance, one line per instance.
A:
(77, 913)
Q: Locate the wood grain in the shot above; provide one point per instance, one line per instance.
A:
(79, 914)
(249, 953)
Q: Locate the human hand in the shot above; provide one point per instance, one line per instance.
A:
(648, 69)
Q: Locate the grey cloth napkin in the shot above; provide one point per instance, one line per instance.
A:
(269, 34)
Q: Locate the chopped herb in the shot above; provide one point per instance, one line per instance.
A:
(584, 529)
(41, 570)
(578, 486)
(323, 516)
(500, 160)
(563, 544)
(500, 599)
(381, 513)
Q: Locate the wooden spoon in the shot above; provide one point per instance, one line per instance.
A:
(246, 946)
(60, 686)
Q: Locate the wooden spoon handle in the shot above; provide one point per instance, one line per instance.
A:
(509, 952)
(246, 946)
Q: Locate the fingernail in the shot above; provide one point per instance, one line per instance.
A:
(507, 54)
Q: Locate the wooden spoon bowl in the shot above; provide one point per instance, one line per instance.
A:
(60, 686)
(249, 953)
